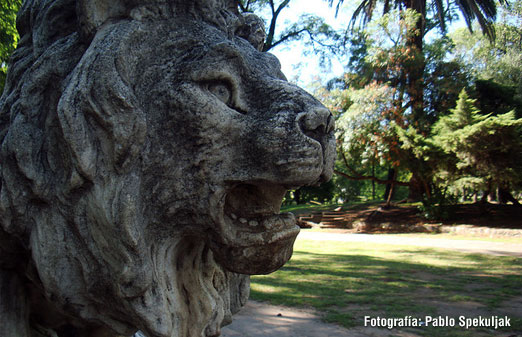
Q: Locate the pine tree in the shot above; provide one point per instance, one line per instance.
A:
(481, 151)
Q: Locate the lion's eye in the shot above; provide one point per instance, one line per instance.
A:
(221, 90)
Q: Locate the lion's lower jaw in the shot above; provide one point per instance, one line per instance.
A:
(195, 296)
(252, 236)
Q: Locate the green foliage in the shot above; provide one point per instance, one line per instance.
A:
(444, 78)
(390, 34)
(497, 66)
(365, 126)
(493, 147)
(438, 205)
(481, 149)
(377, 125)
(374, 114)
(322, 194)
(496, 98)
(465, 113)
(8, 35)
(418, 154)
(347, 190)
(366, 113)
(501, 60)
(411, 69)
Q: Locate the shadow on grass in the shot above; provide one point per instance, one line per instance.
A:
(348, 286)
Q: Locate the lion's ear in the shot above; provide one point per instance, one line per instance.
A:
(94, 13)
(253, 30)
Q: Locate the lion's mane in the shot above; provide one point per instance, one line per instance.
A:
(70, 216)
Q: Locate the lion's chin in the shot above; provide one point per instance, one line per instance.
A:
(257, 238)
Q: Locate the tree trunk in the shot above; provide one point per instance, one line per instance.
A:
(389, 189)
(416, 189)
(297, 196)
(415, 72)
(486, 193)
(504, 196)
(392, 175)
(373, 181)
(492, 196)
(484, 198)
(390, 196)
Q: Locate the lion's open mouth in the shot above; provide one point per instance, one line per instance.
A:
(254, 209)
(255, 238)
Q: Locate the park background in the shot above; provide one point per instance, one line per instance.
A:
(427, 97)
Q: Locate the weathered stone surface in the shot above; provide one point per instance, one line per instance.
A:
(145, 150)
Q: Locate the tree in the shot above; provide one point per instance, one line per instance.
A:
(375, 126)
(412, 69)
(8, 35)
(496, 66)
(499, 60)
(366, 137)
(444, 79)
(484, 11)
(485, 151)
(310, 26)
(497, 98)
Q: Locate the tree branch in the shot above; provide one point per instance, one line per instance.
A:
(271, 30)
(281, 6)
(243, 8)
(349, 167)
(271, 2)
(286, 37)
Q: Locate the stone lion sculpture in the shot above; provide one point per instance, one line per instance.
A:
(146, 147)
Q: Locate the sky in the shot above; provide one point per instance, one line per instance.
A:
(306, 69)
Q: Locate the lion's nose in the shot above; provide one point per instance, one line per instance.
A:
(317, 123)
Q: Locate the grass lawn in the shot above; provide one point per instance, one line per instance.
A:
(347, 281)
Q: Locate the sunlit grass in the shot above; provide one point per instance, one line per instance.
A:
(349, 280)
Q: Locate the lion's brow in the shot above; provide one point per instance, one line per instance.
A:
(227, 50)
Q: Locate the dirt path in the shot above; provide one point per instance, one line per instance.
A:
(471, 246)
(258, 319)
(265, 320)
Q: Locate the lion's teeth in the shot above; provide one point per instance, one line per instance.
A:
(253, 223)
(279, 221)
(243, 220)
(233, 216)
(270, 222)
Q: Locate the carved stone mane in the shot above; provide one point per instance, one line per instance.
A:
(146, 147)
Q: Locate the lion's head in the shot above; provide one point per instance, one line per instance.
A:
(145, 151)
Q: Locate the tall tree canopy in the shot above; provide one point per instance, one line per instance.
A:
(8, 34)
(497, 66)
(484, 11)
